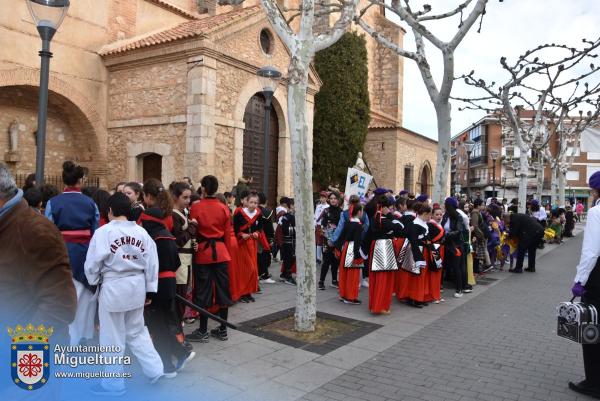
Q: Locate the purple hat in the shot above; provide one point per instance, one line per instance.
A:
(403, 192)
(451, 202)
(535, 202)
(380, 191)
(422, 198)
(595, 180)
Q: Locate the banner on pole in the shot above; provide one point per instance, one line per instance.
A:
(357, 183)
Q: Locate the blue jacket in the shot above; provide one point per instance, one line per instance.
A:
(344, 217)
(72, 211)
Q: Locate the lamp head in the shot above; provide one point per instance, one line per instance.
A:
(469, 144)
(269, 78)
(494, 154)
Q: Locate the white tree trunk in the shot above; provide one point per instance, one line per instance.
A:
(540, 182)
(523, 172)
(442, 169)
(561, 188)
(554, 185)
(306, 270)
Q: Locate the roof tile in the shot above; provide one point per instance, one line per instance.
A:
(188, 29)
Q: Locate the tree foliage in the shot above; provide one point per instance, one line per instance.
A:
(341, 108)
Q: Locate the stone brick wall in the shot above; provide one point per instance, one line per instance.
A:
(122, 15)
(168, 140)
(389, 151)
(67, 137)
(148, 91)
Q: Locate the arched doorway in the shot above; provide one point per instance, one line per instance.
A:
(425, 179)
(69, 133)
(254, 141)
(151, 166)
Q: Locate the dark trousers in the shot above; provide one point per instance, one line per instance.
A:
(457, 265)
(223, 312)
(591, 353)
(163, 327)
(287, 259)
(329, 260)
(531, 250)
(263, 261)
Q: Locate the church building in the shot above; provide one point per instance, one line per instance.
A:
(168, 88)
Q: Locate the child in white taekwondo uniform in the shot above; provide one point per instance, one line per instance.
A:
(122, 260)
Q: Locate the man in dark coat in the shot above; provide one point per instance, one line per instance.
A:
(587, 286)
(528, 232)
(36, 284)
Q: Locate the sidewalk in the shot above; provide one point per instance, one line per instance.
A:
(251, 368)
(248, 368)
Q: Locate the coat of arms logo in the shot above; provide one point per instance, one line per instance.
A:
(30, 355)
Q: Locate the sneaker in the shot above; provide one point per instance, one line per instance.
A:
(244, 299)
(458, 295)
(365, 283)
(170, 375)
(181, 364)
(219, 334)
(290, 281)
(189, 320)
(98, 389)
(251, 298)
(321, 286)
(268, 280)
(468, 290)
(197, 336)
(352, 301)
(187, 346)
(335, 284)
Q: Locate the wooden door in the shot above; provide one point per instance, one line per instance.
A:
(152, 166)
(253, 153)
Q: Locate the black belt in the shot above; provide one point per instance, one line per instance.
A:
(211, 242)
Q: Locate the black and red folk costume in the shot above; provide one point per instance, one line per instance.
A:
(211, 278)
(349, 274)
(162, 316)
(383, 228)
(248, 223)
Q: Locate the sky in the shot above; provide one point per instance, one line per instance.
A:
(509, 29)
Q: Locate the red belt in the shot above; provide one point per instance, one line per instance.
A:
(77, 236)
(166, 274)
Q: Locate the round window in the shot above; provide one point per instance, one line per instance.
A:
(266, 41)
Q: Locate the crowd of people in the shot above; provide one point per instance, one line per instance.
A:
(138, 248)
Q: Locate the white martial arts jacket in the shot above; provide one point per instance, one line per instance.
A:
(122, 259)
(319, 211)
(590, 250)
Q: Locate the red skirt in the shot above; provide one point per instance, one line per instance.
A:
(381, 288)
(248, 266)
(435, 285)
(233, 268)
(398, 243)
(349, 278)
(415, 286)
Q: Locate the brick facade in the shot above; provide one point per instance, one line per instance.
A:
(171, 77)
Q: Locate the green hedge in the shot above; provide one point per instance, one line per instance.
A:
(341, 108)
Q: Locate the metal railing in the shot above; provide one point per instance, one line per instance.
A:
(57, 181)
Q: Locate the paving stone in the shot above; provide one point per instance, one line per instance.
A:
(496, 344)
(309, 376)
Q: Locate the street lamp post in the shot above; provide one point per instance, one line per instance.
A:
(469, 144)
(47, 15)
(494, 155)
(269, 78)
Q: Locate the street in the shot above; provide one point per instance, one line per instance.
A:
(498, 343)
(501, 345)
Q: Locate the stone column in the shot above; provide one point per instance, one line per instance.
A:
(199, 158)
